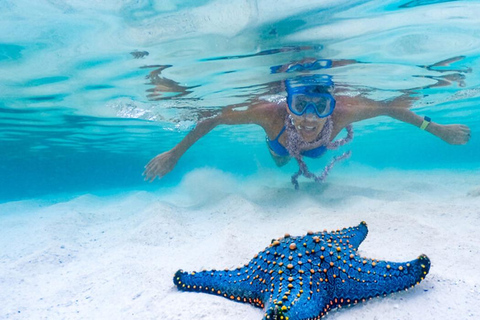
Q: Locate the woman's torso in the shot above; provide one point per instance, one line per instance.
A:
(274, 127)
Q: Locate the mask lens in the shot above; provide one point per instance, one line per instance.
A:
(299, 103)
(322, 104)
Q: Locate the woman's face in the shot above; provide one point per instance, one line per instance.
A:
(308, 125)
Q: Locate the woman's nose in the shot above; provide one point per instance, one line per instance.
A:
(310, 114)
(310, 109)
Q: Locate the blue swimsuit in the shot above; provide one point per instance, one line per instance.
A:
(281, 151)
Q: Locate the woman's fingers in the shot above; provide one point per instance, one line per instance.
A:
(158, 167)
(149, 176)
(151, 163)
(463, 134)
(150, 171)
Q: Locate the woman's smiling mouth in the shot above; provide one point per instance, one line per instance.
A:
(309, 128)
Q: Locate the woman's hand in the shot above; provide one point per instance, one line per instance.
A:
(453, 133)
(160, 165)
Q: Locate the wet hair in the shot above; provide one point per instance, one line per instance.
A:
(295, 144)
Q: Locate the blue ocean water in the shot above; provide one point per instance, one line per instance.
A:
(90, 91)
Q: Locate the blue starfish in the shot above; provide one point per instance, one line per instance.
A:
(302, 278)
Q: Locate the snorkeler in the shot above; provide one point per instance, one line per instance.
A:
(306, 124)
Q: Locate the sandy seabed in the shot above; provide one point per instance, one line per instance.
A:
(114, 256)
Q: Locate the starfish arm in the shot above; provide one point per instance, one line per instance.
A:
(287, 294)
(360, 279)
(295, 291)
(240, 285)
(306, 307)
(354, 235)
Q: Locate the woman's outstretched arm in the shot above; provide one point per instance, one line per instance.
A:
(358, 109)
(166, 161)
(450, 133)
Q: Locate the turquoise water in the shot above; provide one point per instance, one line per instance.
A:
(80, 111)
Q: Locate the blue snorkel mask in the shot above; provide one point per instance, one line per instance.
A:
(304, 95)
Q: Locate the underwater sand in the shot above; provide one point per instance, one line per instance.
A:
(114, 256)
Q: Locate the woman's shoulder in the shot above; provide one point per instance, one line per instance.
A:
(351, 105)
(344, 102)
(349, 102)
(270, 115)
(263, 113)
(269, 108)
(354, 108)
(345, 110)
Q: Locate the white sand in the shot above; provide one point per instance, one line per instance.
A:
(113, 257)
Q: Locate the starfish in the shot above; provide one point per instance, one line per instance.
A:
(303, 278)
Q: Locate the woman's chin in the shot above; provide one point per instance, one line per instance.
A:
(309, 135)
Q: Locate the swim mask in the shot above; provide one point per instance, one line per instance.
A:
(310, 94)
(322, 104)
